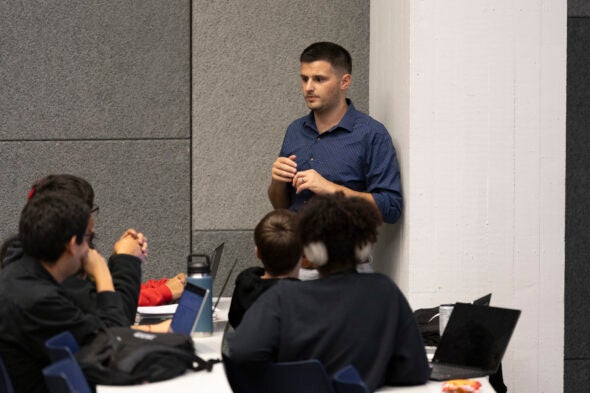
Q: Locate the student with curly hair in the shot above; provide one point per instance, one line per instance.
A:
(343, 317)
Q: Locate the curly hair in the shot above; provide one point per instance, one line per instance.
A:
(277, 241)
(341, 223)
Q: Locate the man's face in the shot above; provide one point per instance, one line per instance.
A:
(80, 251)
(323, 88)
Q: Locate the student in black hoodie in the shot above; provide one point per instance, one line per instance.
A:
(278, 246)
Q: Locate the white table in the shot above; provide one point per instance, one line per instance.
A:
(216, 382)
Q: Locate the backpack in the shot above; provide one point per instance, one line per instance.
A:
(124, 356)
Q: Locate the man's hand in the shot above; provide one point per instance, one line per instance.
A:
(176, 285)
(313, 181)
(97, 269)
(132, 243)
(283, 169)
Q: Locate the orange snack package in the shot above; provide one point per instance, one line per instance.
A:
(461, 386)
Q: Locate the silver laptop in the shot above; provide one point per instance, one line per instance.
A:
(189, 309)
(474, 342)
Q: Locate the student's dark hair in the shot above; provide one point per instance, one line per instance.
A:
(69, 184)
(342, 224)
(277, 240)
(48, 222)
(334, 54)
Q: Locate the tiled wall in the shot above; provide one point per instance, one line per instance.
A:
(246, 91)
(101, 90)
(577, 268)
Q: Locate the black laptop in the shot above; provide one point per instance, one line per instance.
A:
(474, 342)
(215, 259)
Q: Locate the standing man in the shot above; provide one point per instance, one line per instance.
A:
(335, 148)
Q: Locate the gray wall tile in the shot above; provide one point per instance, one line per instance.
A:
(73, 70)
(578, 8)
(246, 91)
(140, 184)
(238, 245)
(577, 246)
(576, 375)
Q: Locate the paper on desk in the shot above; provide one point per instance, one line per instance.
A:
(167, 309)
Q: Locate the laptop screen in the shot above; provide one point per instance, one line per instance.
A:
(215, 259)
(476, 336)
(190, 307)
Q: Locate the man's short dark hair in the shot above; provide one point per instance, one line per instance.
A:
(277, 241)
(341, 223)
(333, 53)
(69, 184)
(49, 221)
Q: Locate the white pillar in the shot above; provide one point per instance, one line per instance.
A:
(473, 93)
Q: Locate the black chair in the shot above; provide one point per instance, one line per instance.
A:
(62, 346)
(286, 377)
(348, 380)
(65, 376)
(5, 383)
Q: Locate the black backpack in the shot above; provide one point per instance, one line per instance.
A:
(124, 356)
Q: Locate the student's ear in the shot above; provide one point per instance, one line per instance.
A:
(70, 245)
(256, 252)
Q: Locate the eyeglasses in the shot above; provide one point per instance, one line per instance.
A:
(90, 238)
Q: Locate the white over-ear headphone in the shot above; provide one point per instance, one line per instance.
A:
(362, 253)
(316, 253)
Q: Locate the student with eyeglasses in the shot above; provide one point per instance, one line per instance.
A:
(125, 268)
(55, 231)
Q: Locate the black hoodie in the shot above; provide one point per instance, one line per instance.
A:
(249, 286)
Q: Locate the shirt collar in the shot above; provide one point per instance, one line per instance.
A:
(346, 123)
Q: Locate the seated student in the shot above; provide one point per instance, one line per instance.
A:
(162, 291)
(277, 245)
(343, 317)
(55, 231)
(125, 269)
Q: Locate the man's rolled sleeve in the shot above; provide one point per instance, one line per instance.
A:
(383, 177)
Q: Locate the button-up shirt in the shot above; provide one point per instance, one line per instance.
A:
(357, 153)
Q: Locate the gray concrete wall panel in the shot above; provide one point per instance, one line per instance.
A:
(140, 184)
(577, 240)
(578, 8)
(246, 91)
(77, 70)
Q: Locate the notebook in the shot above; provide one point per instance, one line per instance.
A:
(474, 342)
(190, 306)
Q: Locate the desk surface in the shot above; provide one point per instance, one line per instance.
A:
(216, 382)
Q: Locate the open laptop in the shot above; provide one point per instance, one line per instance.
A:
(215, 259)
(189, 309)
(484, 300)
(474, 342)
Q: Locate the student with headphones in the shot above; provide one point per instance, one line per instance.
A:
(343, 317)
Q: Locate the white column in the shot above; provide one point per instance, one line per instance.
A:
(473, 93)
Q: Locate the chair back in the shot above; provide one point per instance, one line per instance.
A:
(348, 380)
(65, 376)
(5, 383)
(307, 376)
(62, 346)
(301, 376)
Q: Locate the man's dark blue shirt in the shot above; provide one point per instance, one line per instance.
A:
(356, 153)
